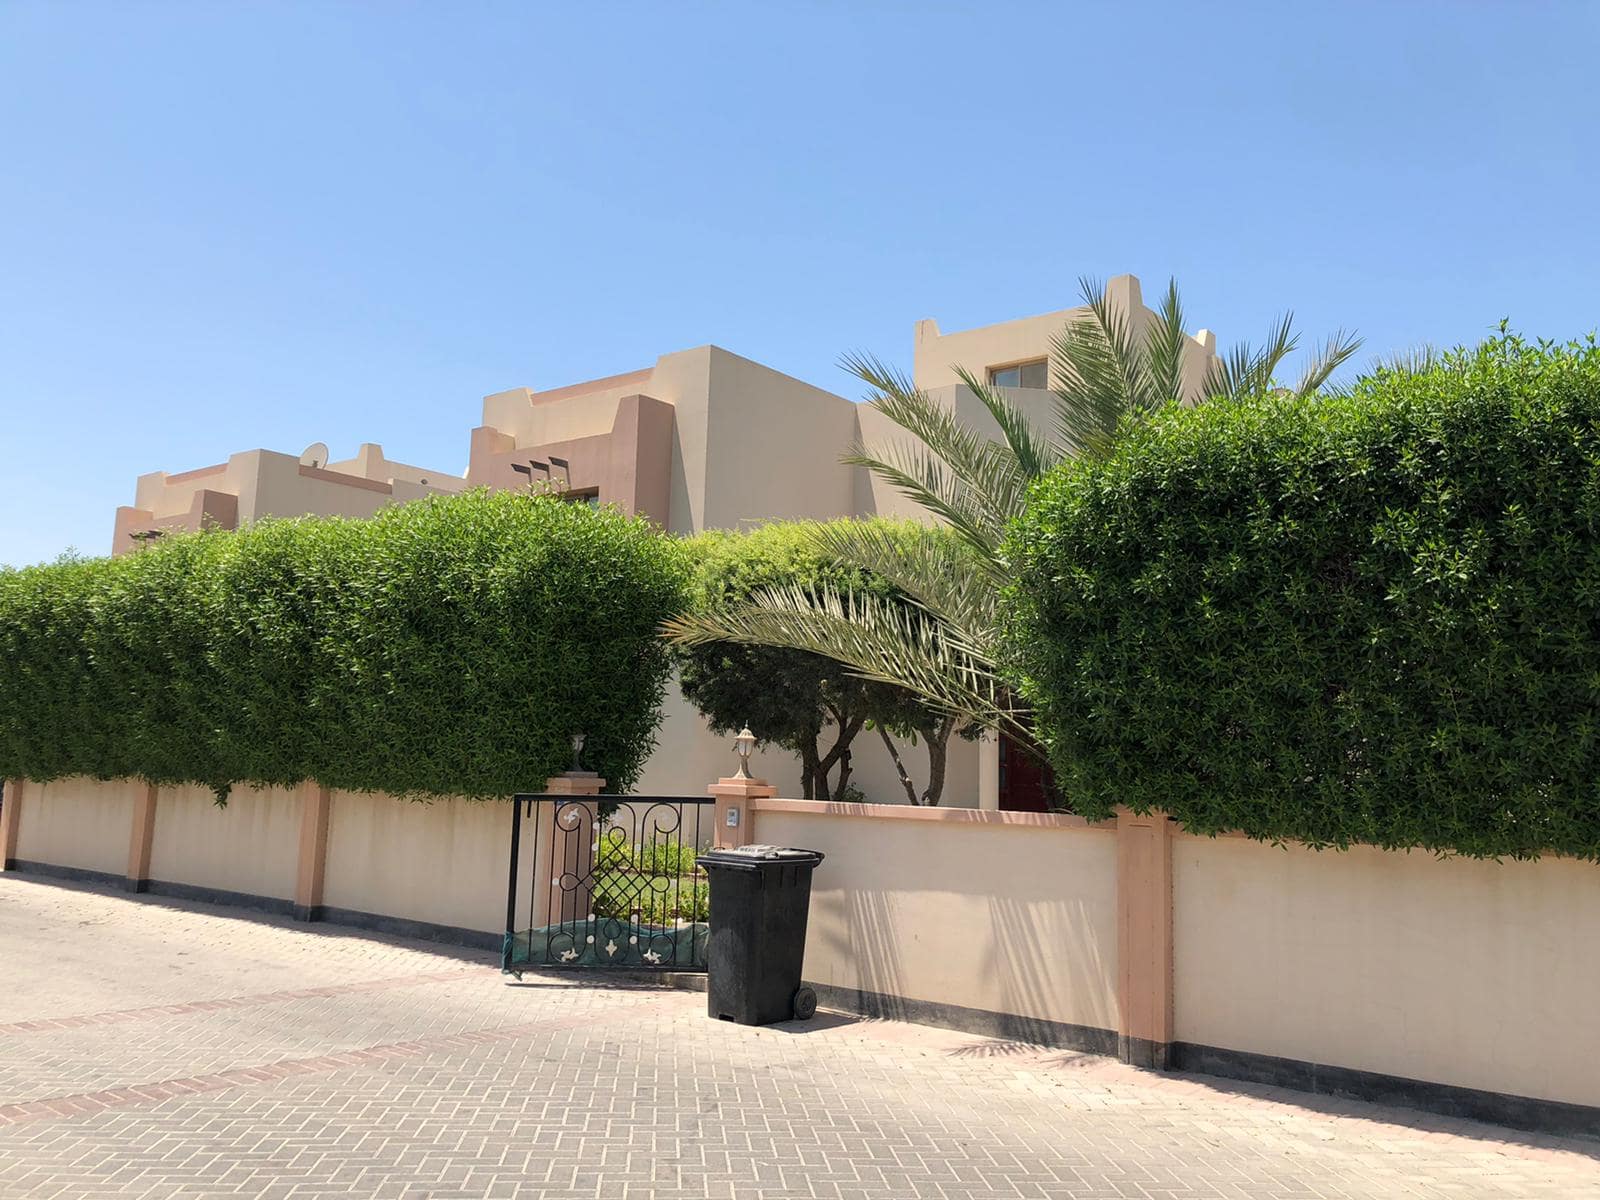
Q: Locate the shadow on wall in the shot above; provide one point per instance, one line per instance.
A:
(870, 941)
(1030, 968)
(1036, 951)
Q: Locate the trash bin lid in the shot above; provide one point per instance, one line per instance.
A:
(758, 853)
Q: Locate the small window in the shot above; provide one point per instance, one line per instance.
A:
(1029, 375)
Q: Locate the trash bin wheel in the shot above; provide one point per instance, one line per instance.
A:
(805, 1004)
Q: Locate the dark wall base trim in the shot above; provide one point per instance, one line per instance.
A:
(1497, 1108)
(25, 866)
(208, 895)
(1088, 1038)
(425, 931)
(1142, 1052)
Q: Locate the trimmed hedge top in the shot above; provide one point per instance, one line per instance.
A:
(1367, 619)
(730, 565)
(448, 647)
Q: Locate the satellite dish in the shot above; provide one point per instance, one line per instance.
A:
(315, 455)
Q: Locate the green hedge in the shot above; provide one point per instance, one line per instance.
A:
(445, 647)
(1370, 619)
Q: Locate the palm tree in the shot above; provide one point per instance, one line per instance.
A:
(1110, 370)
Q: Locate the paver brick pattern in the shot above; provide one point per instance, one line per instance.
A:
(153, 1048)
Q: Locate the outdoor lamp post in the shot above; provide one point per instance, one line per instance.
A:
(743, 745)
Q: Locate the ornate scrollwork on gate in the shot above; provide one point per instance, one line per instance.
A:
(607, 882)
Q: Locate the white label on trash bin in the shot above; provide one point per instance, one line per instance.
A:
(759, 850)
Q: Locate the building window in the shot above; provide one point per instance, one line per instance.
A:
(1035, 374)
(588, 496)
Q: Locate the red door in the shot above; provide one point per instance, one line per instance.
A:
(1025, 782)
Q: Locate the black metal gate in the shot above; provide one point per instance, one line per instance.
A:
(607, 881)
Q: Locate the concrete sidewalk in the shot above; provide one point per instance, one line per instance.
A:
(158, 1048)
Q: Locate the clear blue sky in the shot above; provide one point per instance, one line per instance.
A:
(233, 225)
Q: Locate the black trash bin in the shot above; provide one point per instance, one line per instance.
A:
(760, 896)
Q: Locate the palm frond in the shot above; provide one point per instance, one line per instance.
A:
(1164, 345)
(1244, 371)
(883, 378)
(1033, 454)
(1281, 342)
(1411, 361)
(954, 473)
(944, 576)
(874, 638)
(921, 475)
(1340, 346)
(1098, 376)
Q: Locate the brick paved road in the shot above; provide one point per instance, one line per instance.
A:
(154, 1048)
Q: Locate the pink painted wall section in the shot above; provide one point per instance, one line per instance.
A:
(1455, 972)
(208, 510)
(77, 822)
(630, 466)
(641, 457)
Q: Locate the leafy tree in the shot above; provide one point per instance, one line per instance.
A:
(1111, 371)
(799, 700)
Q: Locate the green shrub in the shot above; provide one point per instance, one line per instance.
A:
(665, 902)
(1369, 619)
(649, 857)
(446, 647)
(652, 882)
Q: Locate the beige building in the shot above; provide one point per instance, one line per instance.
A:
(702, 439)
(262, 483)
(705, 439)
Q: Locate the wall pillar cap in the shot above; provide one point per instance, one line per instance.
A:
(575, 783)
(750, 789)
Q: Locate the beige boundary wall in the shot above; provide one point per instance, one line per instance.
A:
(1479, 975)
(80, 824)
(919, 910)
(440, 864)
(250, 846)
(432, 870)
(1461, 986)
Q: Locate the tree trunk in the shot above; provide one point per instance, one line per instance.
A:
(808, 772)
(838, 755)
(900, 767)
(938, 757)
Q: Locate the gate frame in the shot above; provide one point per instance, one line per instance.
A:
(551, 802)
